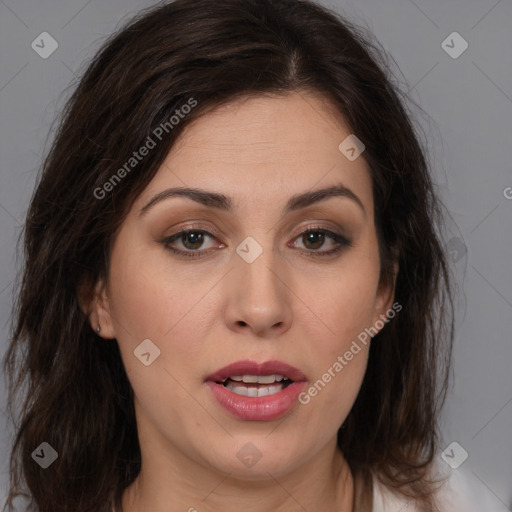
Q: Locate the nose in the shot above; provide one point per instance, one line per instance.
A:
(259, 299)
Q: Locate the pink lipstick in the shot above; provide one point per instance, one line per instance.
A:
(257, 392)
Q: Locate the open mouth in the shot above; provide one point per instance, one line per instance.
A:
(255, 386)
(254, 391)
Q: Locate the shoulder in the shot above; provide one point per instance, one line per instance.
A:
(461, 491)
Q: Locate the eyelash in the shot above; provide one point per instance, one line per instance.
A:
(339, 239)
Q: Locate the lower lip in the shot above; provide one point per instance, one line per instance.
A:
(262, 408)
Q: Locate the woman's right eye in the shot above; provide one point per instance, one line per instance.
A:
(191, 240)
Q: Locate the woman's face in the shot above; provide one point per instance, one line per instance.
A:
(247, 285)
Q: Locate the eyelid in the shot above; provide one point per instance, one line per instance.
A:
(195, 227)
(214, 231)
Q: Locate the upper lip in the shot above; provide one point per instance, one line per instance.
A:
(248, 367)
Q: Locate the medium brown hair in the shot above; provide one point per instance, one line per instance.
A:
(75, 391)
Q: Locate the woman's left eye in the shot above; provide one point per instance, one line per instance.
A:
(316, 237)
(193, 239)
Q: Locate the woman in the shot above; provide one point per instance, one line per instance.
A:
(234, 293)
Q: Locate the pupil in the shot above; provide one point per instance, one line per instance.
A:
(315, 238)
(195, 239)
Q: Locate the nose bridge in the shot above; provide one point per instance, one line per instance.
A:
(258, 266)
(260, 299)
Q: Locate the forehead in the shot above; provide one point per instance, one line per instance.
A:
(261, 148)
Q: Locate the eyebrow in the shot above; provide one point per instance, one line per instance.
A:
(225, 203)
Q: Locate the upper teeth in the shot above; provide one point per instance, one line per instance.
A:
(259, 379)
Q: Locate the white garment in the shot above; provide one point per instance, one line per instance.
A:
(461, 492)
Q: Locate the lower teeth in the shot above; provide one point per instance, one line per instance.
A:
(254, 391)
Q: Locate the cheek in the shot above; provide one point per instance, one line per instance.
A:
(340, 361)
(151, 298)
(151, 302)
(331, 393)
(345, 301)
(345, 304)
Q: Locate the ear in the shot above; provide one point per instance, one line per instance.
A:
(95, 305)
(385, 296)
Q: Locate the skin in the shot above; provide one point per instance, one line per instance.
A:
(204, 313)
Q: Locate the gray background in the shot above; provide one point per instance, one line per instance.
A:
(467, 118)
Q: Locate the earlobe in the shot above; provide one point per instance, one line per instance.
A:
(98, 310)
(102, 313)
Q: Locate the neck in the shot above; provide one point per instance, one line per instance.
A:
(323, 483)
